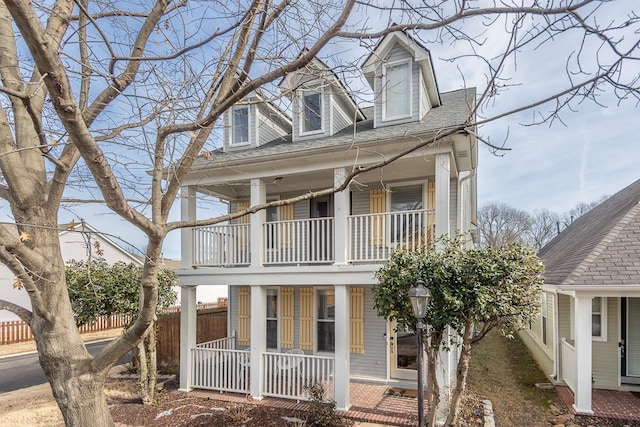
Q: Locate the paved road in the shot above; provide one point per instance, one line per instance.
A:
(22, 371)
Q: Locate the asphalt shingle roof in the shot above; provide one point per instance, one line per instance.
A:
(602, 247)
(454, 111)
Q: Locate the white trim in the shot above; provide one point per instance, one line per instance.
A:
(384, 116)
(301, 111)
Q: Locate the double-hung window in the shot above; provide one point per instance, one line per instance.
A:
(272, 318)
(543, 314)
(405, 223)
(326, 320)
(396, 90)
(311, 114)
(598, 318)
(239, 125)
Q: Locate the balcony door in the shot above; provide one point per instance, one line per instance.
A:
(320, 230)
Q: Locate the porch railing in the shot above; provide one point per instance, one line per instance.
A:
(373, 237)
(227, 343)
(569, 364)
(220, 369)
(286, 375)
(302, 241)
(221, 245)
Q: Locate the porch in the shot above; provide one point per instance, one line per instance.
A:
(619, 405)
(371, 238)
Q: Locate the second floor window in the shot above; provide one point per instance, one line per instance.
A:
(396, 90)
(311, 112)
(240, 125)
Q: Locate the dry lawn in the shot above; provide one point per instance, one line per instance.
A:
(504, 372)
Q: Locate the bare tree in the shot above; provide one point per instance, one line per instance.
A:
(578, 210)
(501, 224)
(543, 227)
(97, 93)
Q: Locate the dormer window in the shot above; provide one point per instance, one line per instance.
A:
(396, 90)
(240, 125)
(311, 117)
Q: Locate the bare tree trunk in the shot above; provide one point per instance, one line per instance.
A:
(147, 367)
(433, 388)
(76, 386)
(462, 371)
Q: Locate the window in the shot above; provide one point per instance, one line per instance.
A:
(240, 125)
(272, 318)
(272, 216)
(406, 224)
(325, 320)
(311, 112)
(397, 90)
(598, 318)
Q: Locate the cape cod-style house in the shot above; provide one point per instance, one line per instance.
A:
(300, 275)
(588, 334)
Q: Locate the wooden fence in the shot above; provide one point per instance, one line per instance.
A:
(18, 331)
(211, 324)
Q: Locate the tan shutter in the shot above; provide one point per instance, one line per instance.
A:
(377, 205)
(286, 317)
(306, 318)
(286, 230)
(431, 214)
(243, 232)
(244, 315)
(357, 319)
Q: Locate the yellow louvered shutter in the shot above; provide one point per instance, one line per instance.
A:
(286, 230)
(357, 319)
(431, 216)
(306, 318)
(377, 205)
(243, 232)
(286, 317)
(244, 315)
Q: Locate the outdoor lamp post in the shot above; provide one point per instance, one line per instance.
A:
(419, 296)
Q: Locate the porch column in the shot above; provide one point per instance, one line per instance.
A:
(258, 197)
(443, 191)
(582, 335)
(342, 336)
(258, 343)
(188, 317)
(187, 213)
(340, 213)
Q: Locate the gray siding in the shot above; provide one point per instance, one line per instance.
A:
(339, 116)
(267, 130)
(373, 362)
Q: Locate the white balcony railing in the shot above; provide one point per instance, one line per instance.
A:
(569, 364)
(221, 245)
(286, 375)
(302, 241)
(373, 237)
(220, 369)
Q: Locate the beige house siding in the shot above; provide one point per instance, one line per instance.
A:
(532, 338)
(606, 359)
(564, 325)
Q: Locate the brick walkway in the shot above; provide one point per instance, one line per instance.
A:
(620, 405)
(368, 404)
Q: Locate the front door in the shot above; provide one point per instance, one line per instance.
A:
(630, 340)
(403, 353)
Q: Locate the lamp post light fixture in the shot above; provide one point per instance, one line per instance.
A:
(419, 296)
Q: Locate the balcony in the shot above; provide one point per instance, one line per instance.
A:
(370, 238)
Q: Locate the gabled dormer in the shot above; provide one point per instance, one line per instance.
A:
(253, 122)
(321, 104)
(401, 75)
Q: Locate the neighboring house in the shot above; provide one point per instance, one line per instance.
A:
(588, 334)
(300, 276)
(77, 242)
